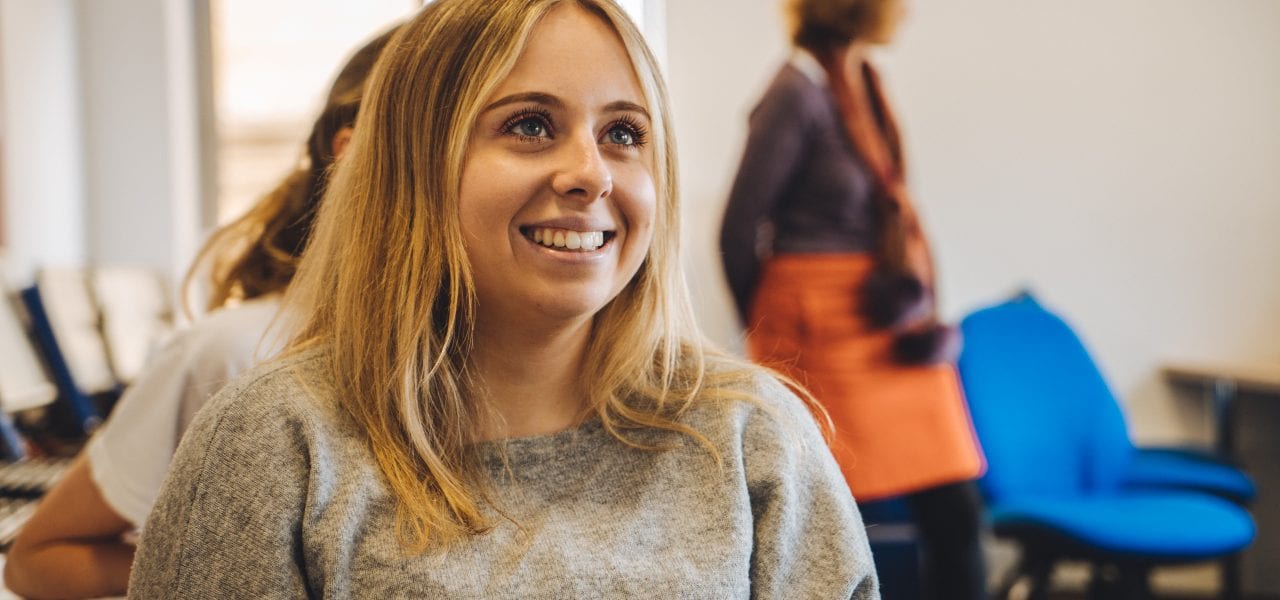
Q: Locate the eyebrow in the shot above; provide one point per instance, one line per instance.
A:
(626, 106)
(549, 100)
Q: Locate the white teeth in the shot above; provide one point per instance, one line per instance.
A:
(584, 241)
(592, 240)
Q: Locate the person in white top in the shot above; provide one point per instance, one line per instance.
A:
(75, 545)
(129, 455)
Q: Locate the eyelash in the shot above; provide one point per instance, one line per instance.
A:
(509, 126)
(639, 134)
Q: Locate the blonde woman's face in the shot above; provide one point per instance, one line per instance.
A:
(557, 199)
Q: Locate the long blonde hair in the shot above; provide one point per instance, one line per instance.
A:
(387, 289)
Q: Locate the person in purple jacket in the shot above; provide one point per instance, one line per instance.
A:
(831, 273)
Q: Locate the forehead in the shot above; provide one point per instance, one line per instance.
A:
(575, 55)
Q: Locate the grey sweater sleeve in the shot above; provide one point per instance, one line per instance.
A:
(221, 527)
(809, 538)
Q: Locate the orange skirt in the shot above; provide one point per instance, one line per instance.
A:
(898, 429)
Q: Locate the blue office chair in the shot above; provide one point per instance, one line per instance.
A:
(1064, 480)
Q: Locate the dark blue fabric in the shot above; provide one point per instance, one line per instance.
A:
(895, 546)
(888, 510)
(1062, 473)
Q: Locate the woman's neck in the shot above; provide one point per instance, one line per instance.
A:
(531, 378)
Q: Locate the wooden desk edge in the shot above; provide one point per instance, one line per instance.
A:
(1247, 378)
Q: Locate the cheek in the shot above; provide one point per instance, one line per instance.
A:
(639, 206)
(471, 189)
(489, 191)
(641, 212)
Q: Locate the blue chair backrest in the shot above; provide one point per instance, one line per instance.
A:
(1047, 420)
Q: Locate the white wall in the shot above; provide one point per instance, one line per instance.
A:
(99, 133)
(720, 56)
(1130, 178)
(136, 69)
(1119, 158)
(44, 205)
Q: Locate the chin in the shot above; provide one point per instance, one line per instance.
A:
(569, 310)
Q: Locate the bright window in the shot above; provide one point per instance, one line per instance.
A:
(272, 64)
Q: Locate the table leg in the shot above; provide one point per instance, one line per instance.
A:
(1224, 394)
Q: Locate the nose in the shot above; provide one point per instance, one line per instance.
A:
(583, 173)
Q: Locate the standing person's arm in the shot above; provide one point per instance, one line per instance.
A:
(71, 547)
(810, 541)
(776, 147)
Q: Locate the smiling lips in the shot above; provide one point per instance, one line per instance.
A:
(567, 239)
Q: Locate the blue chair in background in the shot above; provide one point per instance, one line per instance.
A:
(1064, 480)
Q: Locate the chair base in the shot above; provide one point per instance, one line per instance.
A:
(1120, 582)
(1035, 570)
(1108, 581)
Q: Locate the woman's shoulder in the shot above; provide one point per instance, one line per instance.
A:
(287, 389)
(241, 331)
(753, 399)
(195, 363)
(794, 86)
(258, 310)
(739, 375)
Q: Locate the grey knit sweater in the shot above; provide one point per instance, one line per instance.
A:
(274, 494)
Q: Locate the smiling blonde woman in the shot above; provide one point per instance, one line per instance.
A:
(498, 389)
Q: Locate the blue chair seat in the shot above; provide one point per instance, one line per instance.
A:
(1163, 468)
(1141, 527)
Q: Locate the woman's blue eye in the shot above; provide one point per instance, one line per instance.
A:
(621, 136)
(530, 128)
